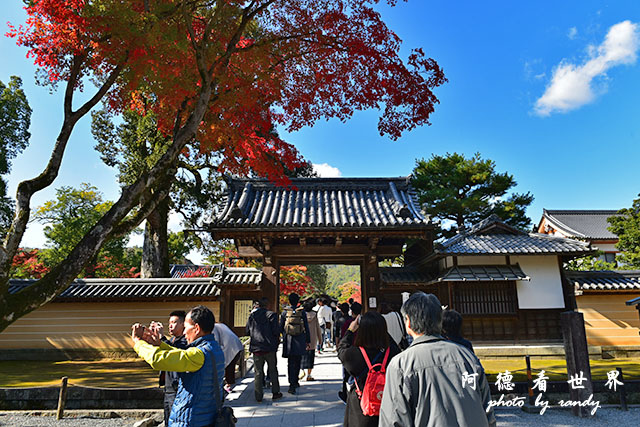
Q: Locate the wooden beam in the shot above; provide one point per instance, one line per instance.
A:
(332, 250)
(249, 252)
(332, 233)
(373, 243)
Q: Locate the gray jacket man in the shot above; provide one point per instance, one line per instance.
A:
(434, 382)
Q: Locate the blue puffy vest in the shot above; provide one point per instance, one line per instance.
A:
(195, 404)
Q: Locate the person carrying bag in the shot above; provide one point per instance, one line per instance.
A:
(366, 343)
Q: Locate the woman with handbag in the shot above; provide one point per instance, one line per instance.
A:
(315, 333)
(366, 337)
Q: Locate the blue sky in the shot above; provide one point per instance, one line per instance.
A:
(549, 90)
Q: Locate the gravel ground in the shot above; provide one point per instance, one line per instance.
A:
(21, 420)
(506, 417)
(33, 421)
(561, 418)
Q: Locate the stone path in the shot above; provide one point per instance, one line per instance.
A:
(316, 403)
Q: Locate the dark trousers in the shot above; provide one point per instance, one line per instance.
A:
(230, 371)
(272, 371)
(293, 366)
(168, 403)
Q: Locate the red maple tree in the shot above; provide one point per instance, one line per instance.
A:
(294, 279)
(350, 290)
(218, 74)
(107, 266)
(26, 265)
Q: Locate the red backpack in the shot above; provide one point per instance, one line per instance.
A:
(371, 395)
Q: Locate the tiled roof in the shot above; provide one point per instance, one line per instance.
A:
(342, 203)
(492, 237)
(193, 270)
(397, 275)
(588, 224)
(604, 280)
(238, 276)
(153, 289)
(476, 273)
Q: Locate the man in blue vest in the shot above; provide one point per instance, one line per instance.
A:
(195, 404)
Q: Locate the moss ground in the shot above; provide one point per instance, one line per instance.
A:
(556, 369)
(94, 373)
(136, 373)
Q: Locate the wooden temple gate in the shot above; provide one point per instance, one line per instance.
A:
(356, 221)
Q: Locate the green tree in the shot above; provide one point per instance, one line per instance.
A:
(318, 275)
(626, 225)
(68, 218)
(339, 274)
(179, 246)
(465, 191)
(590, 263)
(15, 118)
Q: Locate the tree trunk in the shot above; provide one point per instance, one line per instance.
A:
(155, 249)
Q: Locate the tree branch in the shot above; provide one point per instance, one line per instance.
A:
(26, 189)
(126, 226)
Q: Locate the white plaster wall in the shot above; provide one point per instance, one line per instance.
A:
(482, 260)
(544, 290)
(606, 247)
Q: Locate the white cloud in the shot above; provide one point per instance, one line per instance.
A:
(325, 170)
(571, 85)
(572, 33)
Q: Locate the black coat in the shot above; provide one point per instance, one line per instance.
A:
(356, 366)
(459, 340)
(262, 327)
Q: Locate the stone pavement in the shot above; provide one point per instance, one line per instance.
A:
(316, 403)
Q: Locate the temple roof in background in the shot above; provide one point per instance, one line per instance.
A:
(493, 237)
(586, 224)
(321, 203)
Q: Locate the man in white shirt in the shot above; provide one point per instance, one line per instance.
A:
(232, 349)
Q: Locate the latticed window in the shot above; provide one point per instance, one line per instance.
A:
(485, 298)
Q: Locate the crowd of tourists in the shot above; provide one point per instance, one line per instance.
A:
(402, 366)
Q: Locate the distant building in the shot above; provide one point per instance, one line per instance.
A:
(587, 225)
